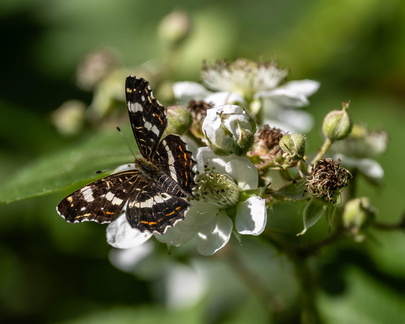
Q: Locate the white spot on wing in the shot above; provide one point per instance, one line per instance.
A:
(109, 196)
(87, 194)
(135, 107)
(170, 161)
(116, 201)
(154, 200)
(151, 127)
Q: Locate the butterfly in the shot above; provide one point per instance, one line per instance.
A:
(155, 193)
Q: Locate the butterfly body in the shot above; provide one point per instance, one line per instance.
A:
(154, 194)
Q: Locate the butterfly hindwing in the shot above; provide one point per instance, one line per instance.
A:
(154, 208)
(146, 114)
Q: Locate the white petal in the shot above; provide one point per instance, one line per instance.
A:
(305, 87)
(215, 234)
(243, 171)
(185, 286)
(239, 168)
(122, 236)
(205, 155)
(195, 218)
(185, 91)
(251, 216)
(282, 98)
(128, 259)
(298, 121)
(225, 98)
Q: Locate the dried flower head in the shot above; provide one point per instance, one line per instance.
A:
(198, 110)
(267, 141)
(327, 180)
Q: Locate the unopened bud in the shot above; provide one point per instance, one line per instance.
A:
(337, 124)
(179, 120)
(69, 118)
(229, 130)
(357, 215)
(175, 27)
(294, 145)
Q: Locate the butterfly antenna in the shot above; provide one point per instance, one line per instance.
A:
(126, 141)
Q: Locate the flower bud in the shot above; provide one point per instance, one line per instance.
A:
(294, 145)
(179, 120)
(175, 27)
(337, 124)
(95, 67)
(357, 215)
(69, 117)
(229, 130)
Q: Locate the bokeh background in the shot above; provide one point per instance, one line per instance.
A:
(54, 272)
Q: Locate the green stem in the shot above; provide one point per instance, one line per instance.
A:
(325, 147)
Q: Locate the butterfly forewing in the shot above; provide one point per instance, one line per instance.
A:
(100, 201)
(146, 114)
(173, 157)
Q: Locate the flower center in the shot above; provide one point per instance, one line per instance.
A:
(217, 189)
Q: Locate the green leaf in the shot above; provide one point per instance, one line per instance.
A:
(73, 166)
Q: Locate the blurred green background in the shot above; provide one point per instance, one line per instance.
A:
(54, 272)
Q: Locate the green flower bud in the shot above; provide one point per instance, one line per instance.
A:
(294, 145)
(175, 28)
(337, 124)
(179, 120)
(357, 215)
(69, 118)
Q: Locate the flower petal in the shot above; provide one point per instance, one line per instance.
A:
(225, 98)
(239, 168)
(298, 121)
(186, 229)
(122, 236)
(282, 98)
(128, 259)
(243, 171)
(185, 91)
(251, 216)
(215, 234)
(305, 87)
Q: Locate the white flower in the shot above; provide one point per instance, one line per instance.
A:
(256, 86)
(211, 217)
(229, 130)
